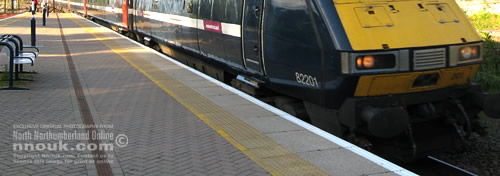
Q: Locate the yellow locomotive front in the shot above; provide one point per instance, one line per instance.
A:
(415, 61)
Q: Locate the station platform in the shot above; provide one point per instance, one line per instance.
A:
(161, 118)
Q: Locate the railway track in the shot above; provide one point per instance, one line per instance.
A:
(432, 166)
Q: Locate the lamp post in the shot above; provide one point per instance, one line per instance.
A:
(44, 10)
(33, 24)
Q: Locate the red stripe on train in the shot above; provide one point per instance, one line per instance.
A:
(125, 13)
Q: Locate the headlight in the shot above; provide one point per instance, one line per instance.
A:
(469, 52)
(375, 62)
(385, 61)
(461, 54)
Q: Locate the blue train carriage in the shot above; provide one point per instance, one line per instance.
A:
(387, 75)
(108, 12)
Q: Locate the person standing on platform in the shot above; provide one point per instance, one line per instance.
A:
(36, 6)
(47, 4)
(44, 6)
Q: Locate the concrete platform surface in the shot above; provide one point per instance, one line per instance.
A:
(101, 104)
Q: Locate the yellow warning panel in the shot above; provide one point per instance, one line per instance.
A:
(373, 16)
(404, 24)
(399, 83)
(442, 13)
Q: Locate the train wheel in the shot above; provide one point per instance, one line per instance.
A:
(326, 119)
(139, 38)
(291, 106)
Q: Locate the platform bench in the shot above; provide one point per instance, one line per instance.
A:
(14, 49)
(21, 56)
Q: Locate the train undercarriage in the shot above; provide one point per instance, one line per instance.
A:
(411, 126)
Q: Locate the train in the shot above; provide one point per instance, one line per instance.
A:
(394, 77)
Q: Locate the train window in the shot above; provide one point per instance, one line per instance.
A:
(178, 7)
(218, 10)
(233, 11)
(188, 6)
(164, 6)
(175, 7)
(147, 4)
(154, 5)
(206, 9)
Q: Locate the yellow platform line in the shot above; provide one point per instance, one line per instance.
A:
(271, 156)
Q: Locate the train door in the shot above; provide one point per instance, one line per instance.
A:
(251, 38)
(125, 13)
(85, 7)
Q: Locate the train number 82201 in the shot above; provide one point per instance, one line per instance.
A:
(306, 79)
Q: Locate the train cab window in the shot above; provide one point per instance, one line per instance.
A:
(296, 32)
(291, 18)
